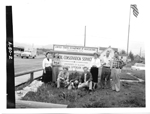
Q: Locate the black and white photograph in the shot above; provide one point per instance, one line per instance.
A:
(76, 54)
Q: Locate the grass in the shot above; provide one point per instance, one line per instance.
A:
(139, 74)
(131, 95)
(136, 73)
(125, 76)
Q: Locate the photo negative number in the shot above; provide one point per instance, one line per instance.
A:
(10, 46)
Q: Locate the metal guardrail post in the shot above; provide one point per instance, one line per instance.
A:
(31, 76)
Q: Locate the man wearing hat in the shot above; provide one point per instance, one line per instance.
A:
(116, 66)
(86, 79)
(94, 68)
(106, 71)
(63, 77)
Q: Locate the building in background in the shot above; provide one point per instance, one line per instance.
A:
(18, 50)
(139, 59)
(42, 51)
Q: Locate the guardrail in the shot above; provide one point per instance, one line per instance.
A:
(31, 75)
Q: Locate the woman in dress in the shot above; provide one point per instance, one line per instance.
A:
(94, 69)
(47, 68)
(56, 66)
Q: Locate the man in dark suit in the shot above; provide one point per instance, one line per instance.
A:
(86, 79)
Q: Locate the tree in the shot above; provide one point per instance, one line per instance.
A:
(123, 52)
(131, 56)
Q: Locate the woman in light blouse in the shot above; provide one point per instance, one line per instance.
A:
(94, 68)
(47, 68)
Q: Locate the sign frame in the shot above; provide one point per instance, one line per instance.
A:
(81, 51)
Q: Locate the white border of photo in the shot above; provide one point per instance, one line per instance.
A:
(72, 110)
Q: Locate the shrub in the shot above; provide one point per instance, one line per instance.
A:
(94, 105)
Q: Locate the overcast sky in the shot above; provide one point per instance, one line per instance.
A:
(63, 22)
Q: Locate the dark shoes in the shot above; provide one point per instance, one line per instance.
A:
(96, 86)
(90, 92)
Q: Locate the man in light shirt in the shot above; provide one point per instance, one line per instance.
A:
(106, 71)
(63, 77)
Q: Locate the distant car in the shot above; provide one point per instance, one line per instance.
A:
(17, 53)
(138, 66)
(28, 54)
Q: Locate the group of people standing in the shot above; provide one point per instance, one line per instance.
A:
(111, 67)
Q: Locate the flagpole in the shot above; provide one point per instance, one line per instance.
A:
(128, 32)
(85, 37)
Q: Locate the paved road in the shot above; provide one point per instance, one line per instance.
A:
(24, 65)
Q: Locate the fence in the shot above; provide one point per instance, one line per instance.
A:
(31, 75)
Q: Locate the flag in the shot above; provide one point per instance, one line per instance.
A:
(135, 10)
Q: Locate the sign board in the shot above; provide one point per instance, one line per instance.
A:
(75, 61)
(76, 49)
(76, 56)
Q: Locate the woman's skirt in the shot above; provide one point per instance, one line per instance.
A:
(55, 73)
(94, 72)
(47, 77)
